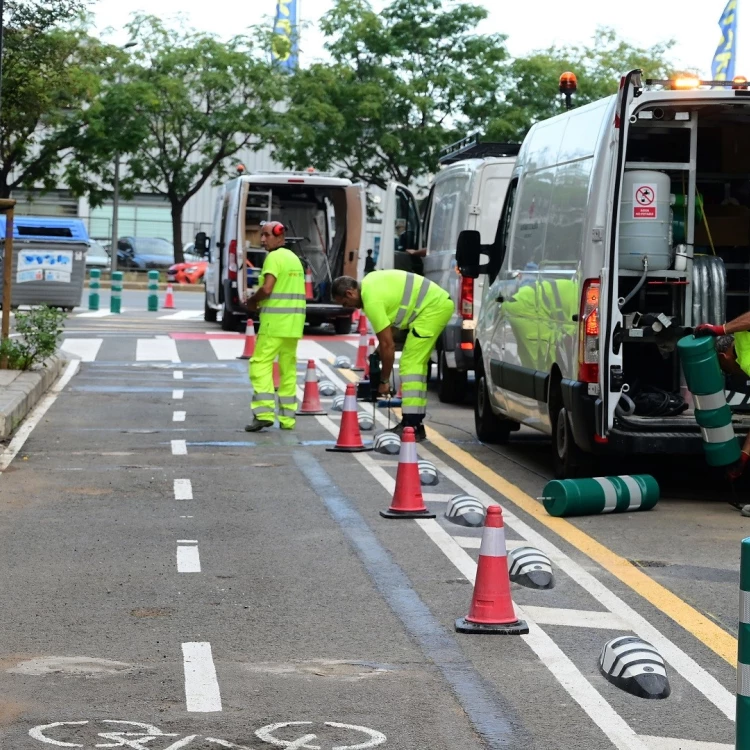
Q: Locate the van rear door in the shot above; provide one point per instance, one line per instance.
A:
(399, 206)
(356, 219)
(610, 359)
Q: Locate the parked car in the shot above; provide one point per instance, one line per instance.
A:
(97, 256)
(144, 253)
(189, 272)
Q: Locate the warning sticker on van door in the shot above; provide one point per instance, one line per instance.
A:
(644, 201)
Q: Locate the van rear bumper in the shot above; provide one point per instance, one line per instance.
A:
(662, 436)
(459, 341)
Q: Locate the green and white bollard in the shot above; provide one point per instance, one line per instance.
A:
(94, 278)
(743, 652)
(587, 497)
(153, 291)
(115, 300)
(706, 382)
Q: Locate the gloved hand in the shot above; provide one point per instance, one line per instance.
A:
(706, 329)
(734, 472)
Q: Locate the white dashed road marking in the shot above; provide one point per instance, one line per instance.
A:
(201, 686)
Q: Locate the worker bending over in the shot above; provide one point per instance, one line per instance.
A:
(402, 300)
(733, 349)
(280, 297)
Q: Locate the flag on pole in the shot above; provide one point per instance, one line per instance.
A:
(285, 34)
(722, 68)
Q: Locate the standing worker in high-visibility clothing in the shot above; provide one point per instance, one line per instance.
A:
(280, 297)
(402, 300)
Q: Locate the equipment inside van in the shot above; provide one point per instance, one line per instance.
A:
(467, 193)
(626, 223)
(324, 218)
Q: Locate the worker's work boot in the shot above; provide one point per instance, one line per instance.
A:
(257, 425)
(419, 431)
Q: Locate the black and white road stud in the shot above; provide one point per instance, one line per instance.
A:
(338, 403)
(366, 422)
(342, 363)
(387, 443)
(327, 388)
(428, 474)
(466, 510)
(635, 666)
(531, 568)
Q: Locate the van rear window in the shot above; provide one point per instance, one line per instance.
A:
(44, 231)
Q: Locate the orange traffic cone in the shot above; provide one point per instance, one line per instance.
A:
(362, 328)
(276, 376)
(407, 497)
(311, 396)
(361, 364)
(355, 317)
(169, 298)
(249, 349)
(491, 608)
(309, 294)
(350, 438)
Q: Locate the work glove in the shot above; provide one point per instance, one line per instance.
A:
(734, 472)
(706, 329)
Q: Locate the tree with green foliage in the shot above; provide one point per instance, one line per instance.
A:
(184, 104)
(531, 90)
(51, 71)
(401, 84)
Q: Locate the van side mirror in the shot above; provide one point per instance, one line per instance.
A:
(201, 243)
(468, 252)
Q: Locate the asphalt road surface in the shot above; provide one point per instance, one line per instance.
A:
(171, 581)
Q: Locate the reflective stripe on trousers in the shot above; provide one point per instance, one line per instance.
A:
(263, 404)
(416, 355)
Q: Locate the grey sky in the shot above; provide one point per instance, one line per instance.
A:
(529, 25)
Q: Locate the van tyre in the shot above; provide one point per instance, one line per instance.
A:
(228, 322)
(451, 382)
(568, 460)
(490, 428)
(209, 314)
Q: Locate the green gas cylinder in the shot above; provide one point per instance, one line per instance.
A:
(712, 413)
(586, 497)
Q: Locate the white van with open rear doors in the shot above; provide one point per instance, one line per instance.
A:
(625, 224)
(467, 193)
(325, 221)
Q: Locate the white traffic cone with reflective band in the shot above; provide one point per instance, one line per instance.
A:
(309, 294)
(311, 396)
(492, 608)
(361, 364)
(249, 349)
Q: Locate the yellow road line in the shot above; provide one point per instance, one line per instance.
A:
(705, 630)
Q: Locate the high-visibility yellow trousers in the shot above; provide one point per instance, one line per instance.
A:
(415, 357)
(263, 404)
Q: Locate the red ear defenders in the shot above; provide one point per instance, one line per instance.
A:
(277, 228)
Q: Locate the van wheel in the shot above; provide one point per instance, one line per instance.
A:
(228, 322)
(451, 382)
(568, 460)
(209, 314)
(490, 428)
(342, 326)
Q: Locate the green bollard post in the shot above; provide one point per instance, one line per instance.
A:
(153, 291)
(115, 301)
(94, 277)
(743, 652)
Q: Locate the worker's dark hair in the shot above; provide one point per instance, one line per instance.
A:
(342, 285)
(723, 344)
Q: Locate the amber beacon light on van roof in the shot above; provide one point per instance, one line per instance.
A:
(688, 83)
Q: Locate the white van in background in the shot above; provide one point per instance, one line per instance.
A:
(325, 219)
(468, 193)
(612, 245)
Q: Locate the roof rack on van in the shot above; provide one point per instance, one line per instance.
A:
(305, 173)
(471, 147)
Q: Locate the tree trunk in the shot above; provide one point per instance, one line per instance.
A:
(177, 232)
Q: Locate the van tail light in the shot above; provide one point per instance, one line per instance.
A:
(588, 322)
(466, 304)
(232, 268)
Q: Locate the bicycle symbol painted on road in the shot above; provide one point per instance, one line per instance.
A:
(136, 735)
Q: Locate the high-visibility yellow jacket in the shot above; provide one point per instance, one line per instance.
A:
(395, 298)
(283, 313)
